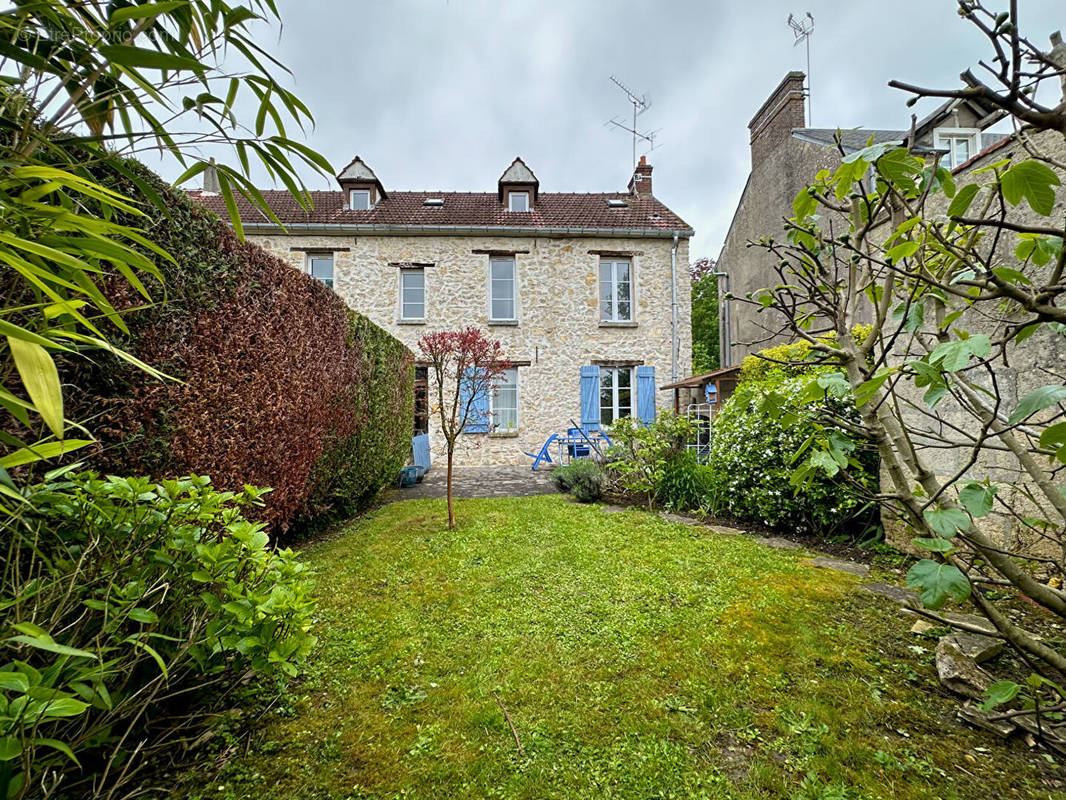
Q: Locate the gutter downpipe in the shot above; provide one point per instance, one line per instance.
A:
(728, 349)
(673, 310)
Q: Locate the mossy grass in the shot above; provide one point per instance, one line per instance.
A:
(637, 658)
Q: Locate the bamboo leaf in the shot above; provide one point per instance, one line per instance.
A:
(41, 380)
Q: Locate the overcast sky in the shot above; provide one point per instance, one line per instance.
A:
(442, 94)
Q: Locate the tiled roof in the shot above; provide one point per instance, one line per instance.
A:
(464, 209)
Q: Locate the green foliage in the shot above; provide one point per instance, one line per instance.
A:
(82, 79)
(582, 477)
(640, 454)
(688, 485)
(936, 582)
(127, 598)
(282, 385)
(780, 414)
(705, 342)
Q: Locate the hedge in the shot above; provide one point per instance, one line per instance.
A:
(280, 384)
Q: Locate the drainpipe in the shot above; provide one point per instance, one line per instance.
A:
(673, 310)
(727, 351)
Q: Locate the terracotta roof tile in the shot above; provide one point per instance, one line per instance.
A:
(463, 209)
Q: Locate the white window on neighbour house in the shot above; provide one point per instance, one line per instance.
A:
(320, 266)
(502, 289)
(616, 394)
(503, 403)
(961, 145)
(616, 290)
(412, 294)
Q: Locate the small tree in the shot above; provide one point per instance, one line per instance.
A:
(705, 347)
(464, 367)
(963, 276)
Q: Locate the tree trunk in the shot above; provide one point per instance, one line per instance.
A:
(451, 511)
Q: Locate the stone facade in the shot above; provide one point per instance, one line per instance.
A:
(558, 327)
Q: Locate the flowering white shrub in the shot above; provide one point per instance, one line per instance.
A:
(755, 454)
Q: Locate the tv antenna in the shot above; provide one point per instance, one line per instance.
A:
(804, 29)
(641, 103)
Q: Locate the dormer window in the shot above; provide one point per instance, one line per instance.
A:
(518, 201)
(960, 144)
(359, 199)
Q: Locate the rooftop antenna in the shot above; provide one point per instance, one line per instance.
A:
(804, 29)
(641, 103)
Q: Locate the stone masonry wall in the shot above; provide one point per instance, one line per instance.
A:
(558, 328)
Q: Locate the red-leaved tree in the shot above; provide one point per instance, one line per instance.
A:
(463, 366)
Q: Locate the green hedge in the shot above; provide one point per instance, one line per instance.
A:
(280, 384)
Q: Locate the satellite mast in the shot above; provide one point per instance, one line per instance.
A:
(641, 103)
(804, 29)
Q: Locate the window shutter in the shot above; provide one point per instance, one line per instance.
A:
(646, 394)
(590, 398)
(478, 421)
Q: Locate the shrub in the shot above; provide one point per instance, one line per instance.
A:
(753, 452)
(127, 599)
(281, 384)
(640, 453)
(583, 478)
(688, 485)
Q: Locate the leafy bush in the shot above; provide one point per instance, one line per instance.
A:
(757, 435)
(126, 599)
(583, 478)
(281, 384)
(640, 454)
(688, 485)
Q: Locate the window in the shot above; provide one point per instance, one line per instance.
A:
(616, 394)
(616, 291)
(518, 201)
(501, 289)
(421, 400)
(320, 266)
(360, 200)
(961, 145)
(503, 402)
(412, 294)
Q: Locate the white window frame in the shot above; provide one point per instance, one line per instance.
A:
(495, 427)
(510, 202)
(323, 255)
(416, 271)
(514, 288)
(615, 416)
(945, 139)
(351, 203)
(615, 263)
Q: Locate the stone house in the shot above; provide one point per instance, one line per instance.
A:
(587, 293)
(785, 157)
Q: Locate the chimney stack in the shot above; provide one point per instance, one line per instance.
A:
(640, 183)
(774, 121)
(211, 185)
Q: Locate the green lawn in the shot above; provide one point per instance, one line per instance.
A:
(637, 659)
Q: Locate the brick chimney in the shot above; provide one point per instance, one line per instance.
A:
(640, 183)
(774, 121)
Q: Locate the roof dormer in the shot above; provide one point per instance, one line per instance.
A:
(518, 187)
(361, 187)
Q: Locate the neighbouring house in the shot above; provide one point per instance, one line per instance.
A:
(588, 293)
(785, 157)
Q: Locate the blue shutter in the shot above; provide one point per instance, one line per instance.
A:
(646, 394)
(590, 398)
(479, 410)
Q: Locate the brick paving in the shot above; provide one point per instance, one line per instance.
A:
(501, 481)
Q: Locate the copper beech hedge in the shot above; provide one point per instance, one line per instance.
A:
(280, 383)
